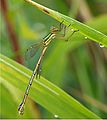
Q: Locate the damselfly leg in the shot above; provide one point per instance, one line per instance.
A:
(72, 33)
(64, 28)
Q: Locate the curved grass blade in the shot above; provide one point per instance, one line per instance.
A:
(87, 31)
(43, 92)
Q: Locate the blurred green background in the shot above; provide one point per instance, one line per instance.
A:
(79, 68)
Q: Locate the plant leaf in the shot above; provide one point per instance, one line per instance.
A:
(87, 31)
(42, 91)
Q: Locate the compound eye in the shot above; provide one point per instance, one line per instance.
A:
(56, 29)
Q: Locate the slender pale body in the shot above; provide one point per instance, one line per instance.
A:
(46, 42)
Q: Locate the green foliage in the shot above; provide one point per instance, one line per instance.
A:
(78, 67)
(42, 91)
(84, 29)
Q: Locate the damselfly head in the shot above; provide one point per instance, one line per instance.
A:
(54, 29)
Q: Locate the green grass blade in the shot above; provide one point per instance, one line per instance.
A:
(42, 91)
(87, 31)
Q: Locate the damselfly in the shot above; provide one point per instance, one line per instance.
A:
(37, 70)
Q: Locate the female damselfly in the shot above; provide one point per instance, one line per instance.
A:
(37, 70)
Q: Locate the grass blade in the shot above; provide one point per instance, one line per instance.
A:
(87, 31)
(42, 91)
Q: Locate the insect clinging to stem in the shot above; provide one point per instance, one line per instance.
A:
(37, 70)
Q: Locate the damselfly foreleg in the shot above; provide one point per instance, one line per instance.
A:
(72, 33)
